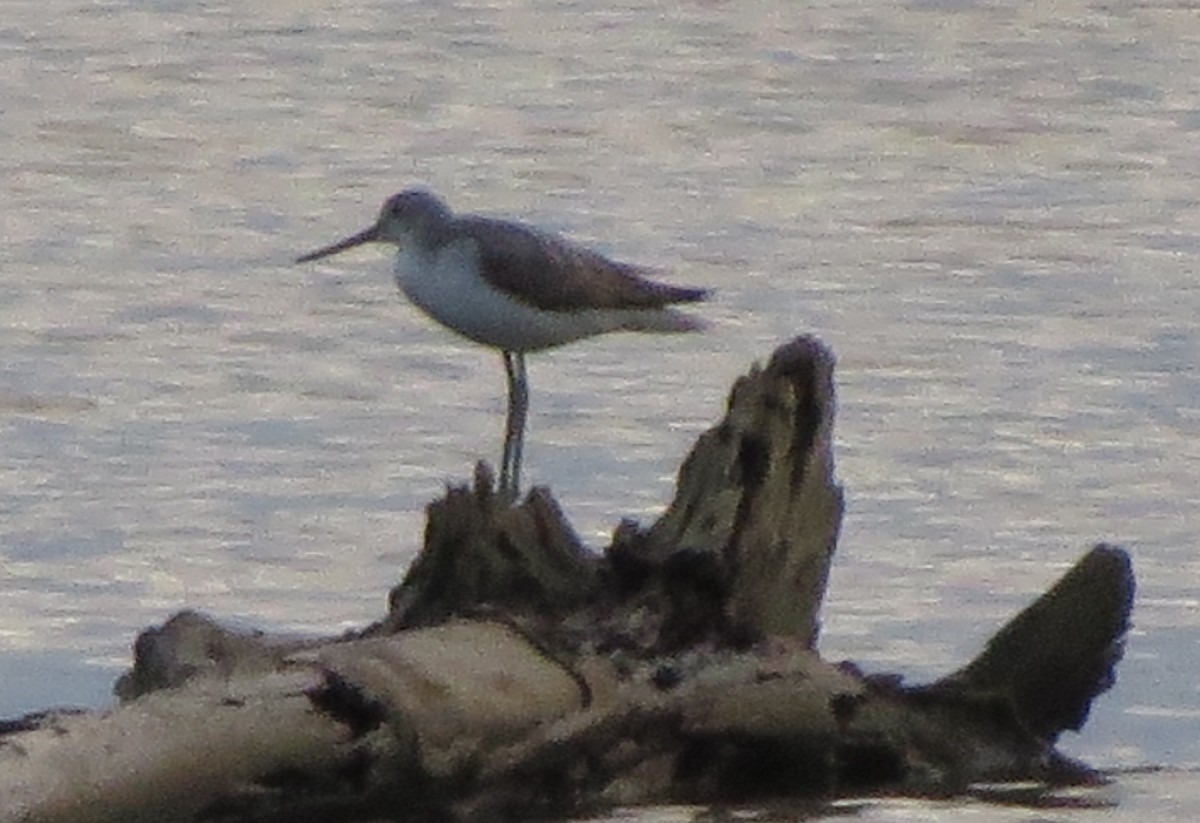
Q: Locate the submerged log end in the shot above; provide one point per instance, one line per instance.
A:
(1054, 658)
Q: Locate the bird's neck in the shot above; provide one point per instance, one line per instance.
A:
(428, 236)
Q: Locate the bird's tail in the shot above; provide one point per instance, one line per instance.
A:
(664, 320)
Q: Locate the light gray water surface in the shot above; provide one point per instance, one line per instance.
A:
(991, 211)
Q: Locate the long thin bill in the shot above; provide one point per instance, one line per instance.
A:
(364, 236)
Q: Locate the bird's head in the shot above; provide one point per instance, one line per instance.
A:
(410, 215)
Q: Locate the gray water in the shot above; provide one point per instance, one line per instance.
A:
(990, 211)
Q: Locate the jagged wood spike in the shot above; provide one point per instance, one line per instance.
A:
(757, 513)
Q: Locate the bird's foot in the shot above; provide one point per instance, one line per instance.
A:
(505, 492)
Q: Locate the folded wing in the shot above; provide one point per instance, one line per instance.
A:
(553, 274)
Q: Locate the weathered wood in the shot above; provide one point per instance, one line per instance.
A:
(191, 646)
(516, 674)
(169, 755)
(742, 553)
(380, 726)
(481, 552)
(777, 722)
(758, 501)
(1051, 660)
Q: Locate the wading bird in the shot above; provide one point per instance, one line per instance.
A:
(514, 288)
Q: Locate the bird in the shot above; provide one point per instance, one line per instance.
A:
(515, 288)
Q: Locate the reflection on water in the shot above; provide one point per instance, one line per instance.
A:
(989, 212)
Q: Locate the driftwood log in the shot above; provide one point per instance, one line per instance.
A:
(515, 674)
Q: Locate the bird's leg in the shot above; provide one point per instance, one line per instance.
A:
(506, 461)
(514, 425)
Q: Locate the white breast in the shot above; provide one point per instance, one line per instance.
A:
(447, 286)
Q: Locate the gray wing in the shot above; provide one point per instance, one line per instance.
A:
(553, 274)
